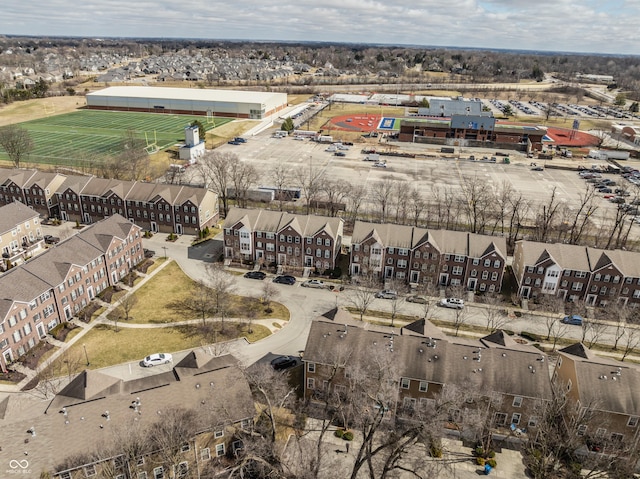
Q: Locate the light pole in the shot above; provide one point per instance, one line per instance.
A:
(84, 346)
(165, 252)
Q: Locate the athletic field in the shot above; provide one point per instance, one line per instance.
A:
(73, 139)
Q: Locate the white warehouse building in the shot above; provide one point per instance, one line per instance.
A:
(188, 101)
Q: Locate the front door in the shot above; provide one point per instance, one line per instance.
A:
(282, 258)
(526, 292)
(415, 276)
(471, 284)
(388, 272)
(64, 216)
(67, 312)
(308, 261)
(591, 299)
(154, 227)
(90, 292)
(179, 229)
(444, 279)
(40, 329)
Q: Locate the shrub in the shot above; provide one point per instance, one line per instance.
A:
(480, 461)
(348, 436)
(339, 433)
(478, 451)
(435, 450)
(492, 463)
(336, 273)
(491, 454)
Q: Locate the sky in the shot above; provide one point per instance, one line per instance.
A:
(598, 26)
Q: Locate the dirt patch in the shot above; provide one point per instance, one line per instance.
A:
(61, 331)
(20, 111)
(87, 313)
(108, 293)
(31, 359)
(144, 266)
(12, 377)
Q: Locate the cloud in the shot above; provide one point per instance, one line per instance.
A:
(559, 25)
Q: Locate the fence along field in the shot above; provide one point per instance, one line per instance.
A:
(79, 138)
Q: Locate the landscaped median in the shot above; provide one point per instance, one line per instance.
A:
(165, 299)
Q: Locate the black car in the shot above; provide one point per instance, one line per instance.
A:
(239, 139)
(148, 253)
(340, 153)
(255, 275)
(283, 362)
(285, 279)
(48, 239)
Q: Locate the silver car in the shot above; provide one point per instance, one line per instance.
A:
(453, 303)
(387, 294)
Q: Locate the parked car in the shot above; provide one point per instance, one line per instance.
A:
(453, 303)
(158, 358)
(574, 319)
(148, 253)
(255, 275)
(283, 362)
(48, 239)
(239, 139)
(417, 299)
(387, 294)
(314, 283)
(379, 164)
(605, 190)
(537, 168)
(285, 279)
(340, 153)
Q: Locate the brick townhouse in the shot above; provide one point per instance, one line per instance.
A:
(20, 234)
(425, 360)
(56, 285)
(419, 255)
(288, 240)
(577, 273)
(609, 388)
(155, 207)
(34, 188)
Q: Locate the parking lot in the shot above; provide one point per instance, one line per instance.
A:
(422, 172)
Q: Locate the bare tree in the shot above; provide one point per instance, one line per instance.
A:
(416, 206)
(310, 181)
(243, 176)
(546, 216)
(269, 293)
(381, 195)
(222, 284)
(336, 192)
(631, 342)
(355, 198)
(200, 301)
(495, 314)
(595, 329)
(588, 206)
(216, 168)
(126, 304)
(361, 294)
(174, 428)
(475, 200)
(17, 143)
(281, 175)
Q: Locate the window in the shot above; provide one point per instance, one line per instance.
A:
(205, 454)
(515, 418)
(533, 421)
(496, 263)
(219, 450)
(600, 432)
(311, 383)
(517, 401)
(158, 473)
(494, 276)
(218, 434)
(476, 261)
(597, 277)
(90, 470)
(311, 367)
(185, 447)
(456, 270)
(142, 475)
(633, 421)
(404, 383)
(182, 469)
(423, 386)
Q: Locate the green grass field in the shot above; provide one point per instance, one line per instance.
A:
(75, 138)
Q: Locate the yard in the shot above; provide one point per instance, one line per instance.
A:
(106, 347)
(162, 300)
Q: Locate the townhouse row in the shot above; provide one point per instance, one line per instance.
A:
(577, 273)
(405, 253)
(153, 206)
(54, 286)
(494, 376)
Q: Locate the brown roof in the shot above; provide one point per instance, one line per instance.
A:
(434, 357)
(217, 392)
(14, 214)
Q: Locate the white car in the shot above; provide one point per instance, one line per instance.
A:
(454, 303)
(158, 358)
(380, 165)
(387, 294)
(314, 283)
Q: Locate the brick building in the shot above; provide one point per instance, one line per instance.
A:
(20, 234)
(56, 285)
(577, 273)
(292, 241)
(417, 255)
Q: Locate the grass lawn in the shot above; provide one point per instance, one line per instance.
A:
(106, 347)
(161, 300)
(73, 139)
